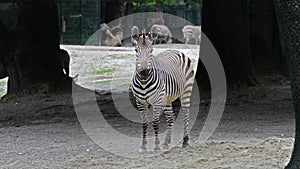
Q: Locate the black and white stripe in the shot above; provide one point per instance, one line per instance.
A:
(158, 81)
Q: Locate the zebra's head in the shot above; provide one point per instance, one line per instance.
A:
(143, 47)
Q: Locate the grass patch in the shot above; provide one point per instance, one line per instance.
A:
(102, 71)
(73, 55)
(115, 56)
(2, 83)
(3, 86)
(2, 92)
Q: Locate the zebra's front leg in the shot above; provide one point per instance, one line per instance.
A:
(185, 106)
(143, 147)
(143, 110)
(155, 124)
(170, 118)
(187, 40)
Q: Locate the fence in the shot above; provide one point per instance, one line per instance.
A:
(79, 19)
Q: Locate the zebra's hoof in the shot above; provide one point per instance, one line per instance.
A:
(142, 149)
(156, 149)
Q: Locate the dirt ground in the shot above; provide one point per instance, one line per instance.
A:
(43, 131)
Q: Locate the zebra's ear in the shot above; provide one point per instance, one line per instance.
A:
(135, 32)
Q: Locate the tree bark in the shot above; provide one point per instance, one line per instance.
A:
(225, 23)
(111, 11)
(35, 60)
(264, 38)
(5, 46)
(288, 16)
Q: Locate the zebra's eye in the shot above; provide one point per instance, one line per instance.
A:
(135, 50)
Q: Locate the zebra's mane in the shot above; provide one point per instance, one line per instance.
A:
(143, 36)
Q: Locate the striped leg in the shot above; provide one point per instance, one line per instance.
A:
(170, 118)
(186, 116)
(185, 106)
(143, 110)
(155, 124)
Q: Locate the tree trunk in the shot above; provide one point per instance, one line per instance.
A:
(111, 11)
(264, 38)
(288, 17)
(5, 49)
(35, 60)
(225, 23)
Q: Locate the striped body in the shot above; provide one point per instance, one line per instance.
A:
(170, 75)
(158, 81)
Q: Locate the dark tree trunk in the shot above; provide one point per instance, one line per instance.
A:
(5, 49)
(111, 11)
(225, 23)
(265, 44)
(34, 60)
(3, 71)
(289, 24)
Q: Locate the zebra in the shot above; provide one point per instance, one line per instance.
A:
(191, 32)
(163, 33)
(158, 81)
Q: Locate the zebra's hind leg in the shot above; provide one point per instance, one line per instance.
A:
(170, 118)
(155, 124)
(185, 106)
(186, 116)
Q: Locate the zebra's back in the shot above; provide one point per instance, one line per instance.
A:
(174, 58)
(175, 71)
(175, 61)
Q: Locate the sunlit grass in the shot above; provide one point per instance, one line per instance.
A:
(3, 84)
(2, 92)
(102, 71)
(73, 55)
(115, 56)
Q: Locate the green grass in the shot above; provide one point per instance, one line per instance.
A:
(114, 56)
(2, 87)
(2, 83)
(2, 92)
(102, 71)
(73, 55)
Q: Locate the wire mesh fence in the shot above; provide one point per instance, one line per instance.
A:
(79, 19)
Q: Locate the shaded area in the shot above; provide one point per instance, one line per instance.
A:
(46, 131)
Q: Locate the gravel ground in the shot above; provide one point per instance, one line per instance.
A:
(48, 131)
(255, 131)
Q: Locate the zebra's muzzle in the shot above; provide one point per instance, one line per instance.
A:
(144, 73)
